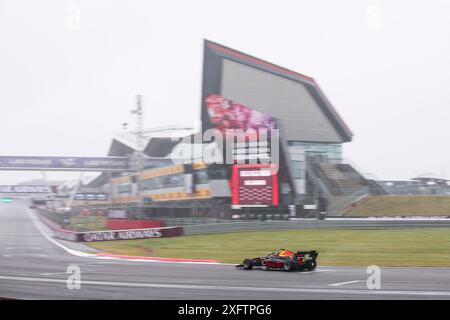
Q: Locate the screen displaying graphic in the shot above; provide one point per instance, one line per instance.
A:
(254, 185)
(226, 114)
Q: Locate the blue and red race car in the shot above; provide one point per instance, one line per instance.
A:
(283, 260)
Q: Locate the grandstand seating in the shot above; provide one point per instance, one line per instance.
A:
(401, 205)
(341, 179)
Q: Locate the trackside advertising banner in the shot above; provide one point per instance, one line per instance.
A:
(130, 234)
(121, 235)
(26, 189)
(64, 163)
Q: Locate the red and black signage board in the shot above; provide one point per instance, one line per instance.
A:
(254, 185)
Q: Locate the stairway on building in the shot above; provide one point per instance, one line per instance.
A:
(342, 179)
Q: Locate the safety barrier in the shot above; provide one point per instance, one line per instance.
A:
(118, 224)
(242, 226)
(110, 235)
(315, 224)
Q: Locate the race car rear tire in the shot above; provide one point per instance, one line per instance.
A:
(247, 264)
(287, 266)
(312, 265)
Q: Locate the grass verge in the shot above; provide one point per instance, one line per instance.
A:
(411, 247)
(407, 205)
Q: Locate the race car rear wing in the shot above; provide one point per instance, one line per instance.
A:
(311, 253)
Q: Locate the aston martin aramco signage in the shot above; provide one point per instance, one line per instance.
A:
(64, 163)
(27, 189)
(77, 163)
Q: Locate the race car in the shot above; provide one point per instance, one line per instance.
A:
(283, 260)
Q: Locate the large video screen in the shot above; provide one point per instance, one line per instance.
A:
(226, 114)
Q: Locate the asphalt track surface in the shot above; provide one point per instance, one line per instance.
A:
(34, 267)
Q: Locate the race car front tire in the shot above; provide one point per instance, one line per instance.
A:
(248, 264)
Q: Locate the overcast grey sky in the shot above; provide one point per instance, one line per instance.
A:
(68, 84)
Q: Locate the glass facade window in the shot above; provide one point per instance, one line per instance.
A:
(201, 176)
(297, 171)
(331, 152)
(124, 188)
(169, 181)
(149, 184)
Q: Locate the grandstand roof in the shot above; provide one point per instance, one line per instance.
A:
(429, 176)
(158, 145)
(158, 142)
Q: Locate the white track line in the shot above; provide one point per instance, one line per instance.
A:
(344, 283)
(31, 248)
(39, 226)
(234, 288)
(52, 274)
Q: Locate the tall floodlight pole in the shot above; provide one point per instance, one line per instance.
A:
(74, 192)
(138, 154)
(139, 122)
